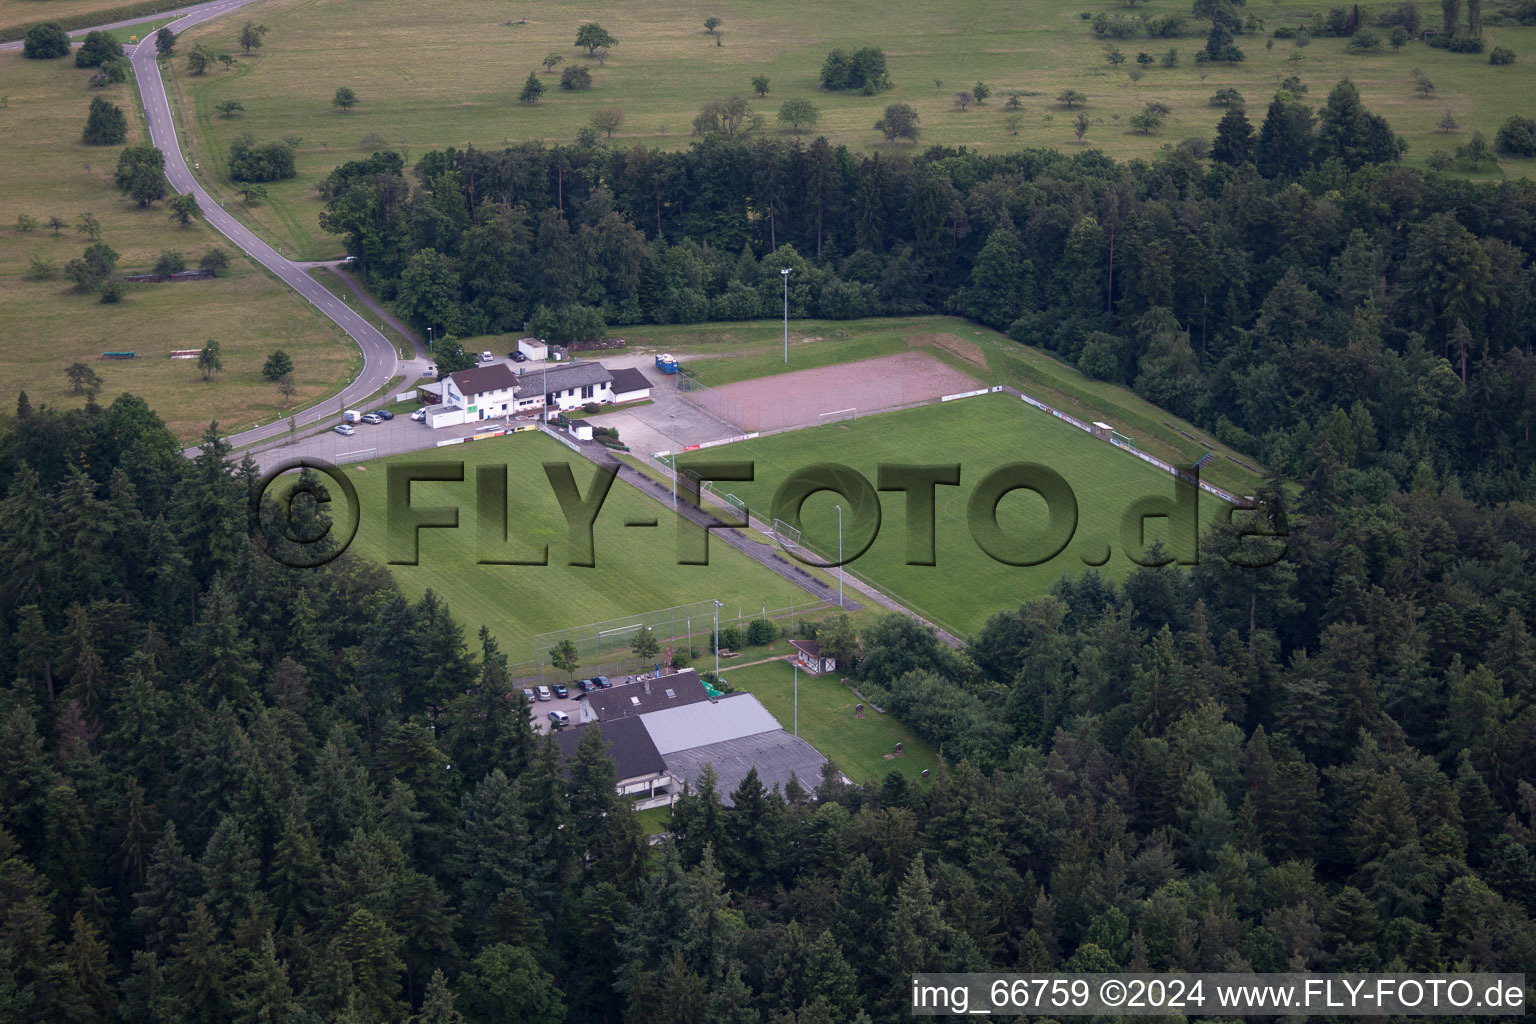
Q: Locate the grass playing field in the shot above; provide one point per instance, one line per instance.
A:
(727, 353)
(45, 325)
(858, 746)
(432, 75)
(981, 434)
(636, 567)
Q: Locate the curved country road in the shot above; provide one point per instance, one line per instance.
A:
(380, 361)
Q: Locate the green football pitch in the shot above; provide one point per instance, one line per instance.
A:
(635, 567)
(965, 585)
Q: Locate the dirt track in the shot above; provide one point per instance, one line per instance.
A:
(806, 398)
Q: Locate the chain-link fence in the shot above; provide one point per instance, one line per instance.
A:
(606, 644)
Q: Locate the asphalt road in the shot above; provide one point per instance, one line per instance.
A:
(380, 361)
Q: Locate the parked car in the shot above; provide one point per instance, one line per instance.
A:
(432, 370)
(486, 356)
(528, 695)
(345, 428)
(587, 685)
(559, 719)
(384, 414)
(544, 693)
(602, 681)
(373, 418)
(420, 415)
(561, 691)
(518, 357)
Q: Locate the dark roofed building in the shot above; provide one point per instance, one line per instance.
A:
(630, 700)
(570, 386)
(642, 772)
(487, 379)
(630, 386)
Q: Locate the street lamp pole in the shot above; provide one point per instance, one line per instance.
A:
(674, 462)
(717, 643)
(785, 274)
(797, 696)
(839, 556)
(429, 339)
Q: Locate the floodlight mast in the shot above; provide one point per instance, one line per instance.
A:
(785, 274)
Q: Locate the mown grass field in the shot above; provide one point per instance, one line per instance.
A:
(15, 15)
(724, 353)
(636, 567)
(432, 75)
(858, 746)
(46, 171)
(981, 434)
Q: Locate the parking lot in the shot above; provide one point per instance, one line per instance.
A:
(539, 710)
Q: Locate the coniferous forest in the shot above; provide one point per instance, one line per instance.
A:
(236, 791)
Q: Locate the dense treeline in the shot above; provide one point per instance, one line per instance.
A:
(1300, 289)
(234, 791)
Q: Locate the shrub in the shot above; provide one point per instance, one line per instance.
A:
(46, 41)
(1398, 37)
(250, 162)
(112, 291)
(105, 125)
(1284, 33)
(170, 262)
(98, 48)
(113, 71)
(1501, 55)
(862, 70)
(575, 78)
(1365, 41)
(1098, 358)
(1227, 98)
(1404, 15)
(590, 408)
(761, 631)
(1517, 137)
(1467, 44)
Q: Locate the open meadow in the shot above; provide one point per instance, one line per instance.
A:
(46, 324)
(636, 568)
(965, 585)
(858, 746)
(434, 75)
(722, 354)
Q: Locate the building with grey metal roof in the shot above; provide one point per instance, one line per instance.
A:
(776, 755)
(727, 718)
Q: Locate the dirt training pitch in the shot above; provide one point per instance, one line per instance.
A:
(808, 398)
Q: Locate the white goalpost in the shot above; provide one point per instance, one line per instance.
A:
(787, 536)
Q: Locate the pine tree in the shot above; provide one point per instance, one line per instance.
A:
(262, 992)
(199, 970)
(490, 846)
(592, 791)
(532, 90)
(373, 949)
(172, 883)
(697, 817)
(915, 934)
(297, 875)
(437, 1006)
(25, 778)
(231, 875)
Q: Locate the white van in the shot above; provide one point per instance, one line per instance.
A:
(351, 416)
